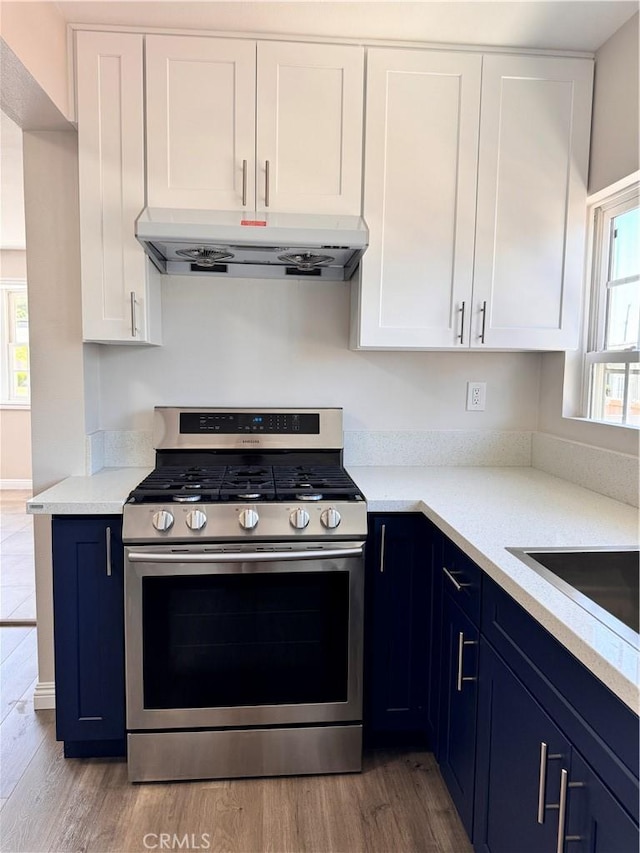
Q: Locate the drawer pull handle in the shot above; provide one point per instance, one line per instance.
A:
(266, 183)
(458, 586)
(134, 320)
(461, 310)
(562, 810)
(383, 531)
(108, 550)
(484, 320)
(461, 644)
(542, 778)
(244, 183)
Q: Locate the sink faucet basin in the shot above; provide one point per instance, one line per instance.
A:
(603, 581)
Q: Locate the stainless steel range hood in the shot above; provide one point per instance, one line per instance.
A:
(237, 244)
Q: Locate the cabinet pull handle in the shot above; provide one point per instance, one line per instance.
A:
(244, 183)
(383, 531)
(108, 549)
(562, 809)
(461, 644)
(134, 325)
(542, 779)
(459, 586)
(483, 311)
(461, 310)
(561, 805)
(266, 183)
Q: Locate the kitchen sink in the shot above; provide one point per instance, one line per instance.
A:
(603, 581)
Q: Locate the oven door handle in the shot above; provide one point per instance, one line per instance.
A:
(241, 556)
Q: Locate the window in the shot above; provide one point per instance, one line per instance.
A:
(612, 359)
(14, 384)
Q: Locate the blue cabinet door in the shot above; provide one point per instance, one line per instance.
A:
(520, 757)
(596, 821)
(88, 599)
(458, 705)
(434, 628)
(396, 636)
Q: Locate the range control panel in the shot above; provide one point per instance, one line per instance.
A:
(234, 423)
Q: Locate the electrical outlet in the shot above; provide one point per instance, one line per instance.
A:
(476, 396)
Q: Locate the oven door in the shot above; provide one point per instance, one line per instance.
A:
(245, 637)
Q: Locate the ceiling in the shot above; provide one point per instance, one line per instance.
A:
(570, 25)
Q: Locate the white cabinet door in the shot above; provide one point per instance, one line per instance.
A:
(421, 146)
(309, 137)
(120, 293)
(532, 178)
(200, 122)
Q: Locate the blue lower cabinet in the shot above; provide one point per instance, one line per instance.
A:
(523, 763)
(88, 601)
(397, 586)
(596, 822)
(458, 706)
(557, 752)
(520, 757)
(434, 630)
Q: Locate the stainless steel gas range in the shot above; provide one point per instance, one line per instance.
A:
(244, 584)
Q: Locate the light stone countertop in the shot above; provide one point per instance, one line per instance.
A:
(484, 511)
(103, 493)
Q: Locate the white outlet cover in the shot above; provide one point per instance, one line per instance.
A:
(476, 396)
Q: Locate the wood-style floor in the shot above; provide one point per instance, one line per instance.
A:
(398, 804)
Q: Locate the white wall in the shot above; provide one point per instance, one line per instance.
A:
(36, 32)
(614, 155)
(13, 263)
(57, 385)
(11, 188)
(15, 445)
(251, 342)
(614, 141)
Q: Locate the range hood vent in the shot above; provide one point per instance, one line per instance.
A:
(273, 245)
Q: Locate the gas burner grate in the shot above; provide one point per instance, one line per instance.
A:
(178, 482)
(314, 482)
(241, 483)
(247, 483)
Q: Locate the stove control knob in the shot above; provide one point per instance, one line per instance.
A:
(196, 519)
(248, 519)
(299, 518)
(330, 518)
(162, 520)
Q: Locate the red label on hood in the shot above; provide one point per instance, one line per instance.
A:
(253, 222)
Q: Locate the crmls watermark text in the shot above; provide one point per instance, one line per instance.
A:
(173, 841)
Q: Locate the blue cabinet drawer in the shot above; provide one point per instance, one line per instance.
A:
(461, 578)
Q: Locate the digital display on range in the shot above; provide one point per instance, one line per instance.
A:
(233, 423)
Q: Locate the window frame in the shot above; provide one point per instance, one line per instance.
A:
(10, 286)
(603, 207)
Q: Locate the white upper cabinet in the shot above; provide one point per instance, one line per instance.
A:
(120, 288)
(532, 178)
(240, 125)
(475, 201)
(309, 141)
(421, 150)
(200, 122)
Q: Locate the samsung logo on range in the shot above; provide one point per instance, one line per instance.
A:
(250, 441)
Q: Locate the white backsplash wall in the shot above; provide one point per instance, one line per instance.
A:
(285, 343)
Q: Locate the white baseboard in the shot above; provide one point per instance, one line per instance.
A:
(16, 484)
(44, 696)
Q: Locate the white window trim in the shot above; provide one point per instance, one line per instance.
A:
(8, 284)
(597, 204)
